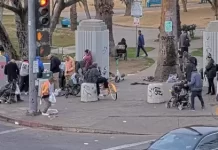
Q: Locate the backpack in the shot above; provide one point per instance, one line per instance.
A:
(187, 41)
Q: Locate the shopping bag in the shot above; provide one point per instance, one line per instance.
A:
(17, 91)
(52, 98)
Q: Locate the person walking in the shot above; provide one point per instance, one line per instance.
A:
(196, 88)
(210, 71)
(55, 69)
(24, 76)
(46, 91)
(184, 42)
(141, 43)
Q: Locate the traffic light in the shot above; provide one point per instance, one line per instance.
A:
(43, 50)
(42, 14)
(42, 36)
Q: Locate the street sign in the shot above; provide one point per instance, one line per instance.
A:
(136, 8)
(168, 26)
(42, 36)
(136, 21)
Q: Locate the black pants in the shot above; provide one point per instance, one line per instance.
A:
(199, 95)
(24, 83)
(143, 49)
(184, 49)
(99, 81)
(211, 88)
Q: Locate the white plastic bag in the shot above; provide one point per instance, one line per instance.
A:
(17, 91)
(52, 98)
(73, 78)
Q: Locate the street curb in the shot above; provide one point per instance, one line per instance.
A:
(66, 129)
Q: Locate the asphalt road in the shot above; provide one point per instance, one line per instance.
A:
(19, 138)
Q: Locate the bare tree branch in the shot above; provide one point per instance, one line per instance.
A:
(11, 8)
(70, 2)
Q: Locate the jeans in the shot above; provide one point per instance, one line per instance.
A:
(211, 88)
(143, 49)
(47, 103)
(56, 80)
(99, 81)
(24, 83)
(196, 94)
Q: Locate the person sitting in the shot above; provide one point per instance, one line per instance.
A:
(93, 75)
(122, 48)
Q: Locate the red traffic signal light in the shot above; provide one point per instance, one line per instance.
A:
(43, 3)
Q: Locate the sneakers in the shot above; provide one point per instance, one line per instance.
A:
(45, 114)
(203, 107)
(26, 93)
(192, 109)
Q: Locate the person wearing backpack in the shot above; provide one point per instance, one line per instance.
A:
(184, 42)
(24, 76)
(55, 69)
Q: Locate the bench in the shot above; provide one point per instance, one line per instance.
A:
(153, 2)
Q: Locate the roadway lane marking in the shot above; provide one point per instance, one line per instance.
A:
(129, 145)
(11, 131)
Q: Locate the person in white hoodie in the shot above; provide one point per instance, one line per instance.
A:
(24, 76)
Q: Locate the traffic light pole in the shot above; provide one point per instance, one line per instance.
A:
(33, 105)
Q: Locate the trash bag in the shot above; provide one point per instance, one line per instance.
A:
(17, 91)
(52, 98)
(172, 78)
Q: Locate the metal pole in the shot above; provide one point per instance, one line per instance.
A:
(33, 105)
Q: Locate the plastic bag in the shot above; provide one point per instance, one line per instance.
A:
(52, 98)
(17, 91)
(73, 78)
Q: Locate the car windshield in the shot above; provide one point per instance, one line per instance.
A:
(176, 141)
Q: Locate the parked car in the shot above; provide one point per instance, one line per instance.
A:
(188, 138)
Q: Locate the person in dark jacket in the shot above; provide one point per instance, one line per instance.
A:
(93, 75)
(196, 88)
(141, 44)
(192, 63)
(55, 69)
(122, 46)
(210, 71)
(12, 71)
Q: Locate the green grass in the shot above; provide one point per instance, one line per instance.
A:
(198, 52)
(131, 51)
(196, 38)
(62, 37)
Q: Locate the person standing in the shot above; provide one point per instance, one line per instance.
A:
(24, 76)
(210, 71)
(55, 69)
(196, 88)
(141, 44)
(41, 67)
(69, 68)
(184, 42)
(2, 52)
(87, 59)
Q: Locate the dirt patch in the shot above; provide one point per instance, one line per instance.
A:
(199, 16)
(131, 65)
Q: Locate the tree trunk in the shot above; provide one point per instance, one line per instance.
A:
(73, 17)
(178, 20)
(105, 12)
(184, 4)
(22, 35)
(97, 11)
(167, 60)
(57, 12)
(6, 43)
(1, 14)
(86, 8)
(128, 8)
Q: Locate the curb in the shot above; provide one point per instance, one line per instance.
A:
(66, 129)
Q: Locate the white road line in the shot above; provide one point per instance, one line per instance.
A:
(129, 145)
(11, 131)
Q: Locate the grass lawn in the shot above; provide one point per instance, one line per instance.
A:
(131, 51)
(199, 16)
(198, 52)
(61, 37)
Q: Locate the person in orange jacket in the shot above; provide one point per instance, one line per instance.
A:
(46, 91)
(69, 67)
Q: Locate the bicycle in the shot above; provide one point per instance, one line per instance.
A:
(112, 90)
